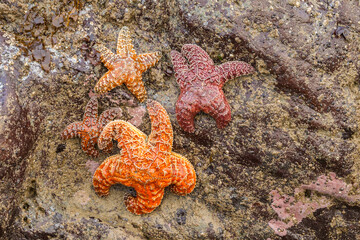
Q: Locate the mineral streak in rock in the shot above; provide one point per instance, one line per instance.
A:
(292, 210)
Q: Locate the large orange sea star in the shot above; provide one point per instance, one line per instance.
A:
(125, 66)
(147, 165)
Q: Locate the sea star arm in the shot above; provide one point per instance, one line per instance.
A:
(72, 130)
(180, 67)
(219, 108)
(104, 119)
(107, 57)
(161, 131)
(91, 109)
(196, 54)
(136, 87)
(108, 82)
(125, 133)
(148, 198)
(147, 60)
(230, 70)
(88, 145)
(110, 172)
(184, 177)
(125, 47)
(186, 109)
(107, 116)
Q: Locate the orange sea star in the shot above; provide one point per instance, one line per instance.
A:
(201, 85)
(91, 127)
(125, 66)
(147, 165)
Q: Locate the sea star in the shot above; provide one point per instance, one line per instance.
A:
(91, 127)
(201, 85)
(125, 66)
(147, 165)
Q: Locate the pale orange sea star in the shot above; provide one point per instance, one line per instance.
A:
(125, 66)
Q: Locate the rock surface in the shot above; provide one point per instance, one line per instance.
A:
(294, 120)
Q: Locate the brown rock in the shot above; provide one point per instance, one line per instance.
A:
(294, 120)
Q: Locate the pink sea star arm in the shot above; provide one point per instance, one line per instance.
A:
(219, 108)
(180, 67)
(196, 54)
(146, 201)
(161, 131)
(128, 137)
(91, 109)
(147, 60)
(107, 57)
(186, 109)
(125, 48)
(184, 177)
(108, 82)
(72, 130)
(230, 70)
(110, 172)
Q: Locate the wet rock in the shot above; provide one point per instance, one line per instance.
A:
(305, 80)
(17, 134)
(292, 121)
(181, 216)
(61, 147)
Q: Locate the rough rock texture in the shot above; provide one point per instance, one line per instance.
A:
(292, 210)
(293, 121)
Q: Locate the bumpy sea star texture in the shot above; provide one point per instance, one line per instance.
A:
(91, 127)
(201, 85)
(292, 121)
(147, 165)
(125, 66)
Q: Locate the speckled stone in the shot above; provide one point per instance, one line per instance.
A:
(293, 121)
